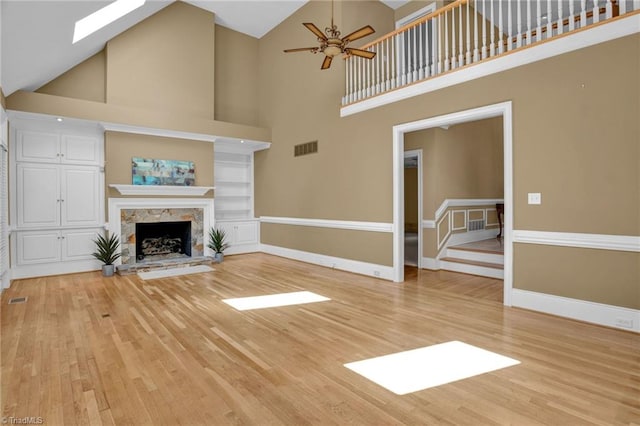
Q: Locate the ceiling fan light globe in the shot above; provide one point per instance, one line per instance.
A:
(332, 51)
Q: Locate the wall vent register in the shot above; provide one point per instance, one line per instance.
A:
(305, 148)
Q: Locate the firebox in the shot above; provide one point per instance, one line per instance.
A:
(162, 240)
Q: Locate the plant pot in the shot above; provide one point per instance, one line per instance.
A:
(218, 257)
(108, 270)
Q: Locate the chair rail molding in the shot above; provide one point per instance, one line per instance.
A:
(580, 240)
(329, 223)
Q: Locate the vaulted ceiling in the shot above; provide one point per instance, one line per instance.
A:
(36, 35)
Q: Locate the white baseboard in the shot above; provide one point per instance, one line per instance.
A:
(430, 263)
(45, 269)
(597, 313)
(355, 266)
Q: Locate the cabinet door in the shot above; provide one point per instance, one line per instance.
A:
(78, 244)
(40, 147)
(228, 228)
(77, 149)
(38, 195)
(37, 247)
(80, 195)
(246, 233)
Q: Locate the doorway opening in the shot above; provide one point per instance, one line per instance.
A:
(413, 208)
(502, 109)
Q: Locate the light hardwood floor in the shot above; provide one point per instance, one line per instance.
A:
(90, 350)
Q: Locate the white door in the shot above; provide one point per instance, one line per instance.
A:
(80, 192)
(38, 247)
(38, 195)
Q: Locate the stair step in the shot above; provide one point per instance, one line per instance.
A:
(476, 250)
(475, 256)
(473, 262)
(484, 269)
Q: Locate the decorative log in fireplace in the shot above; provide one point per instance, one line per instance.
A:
(158, 240)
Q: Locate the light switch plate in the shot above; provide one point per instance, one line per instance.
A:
(535, 198)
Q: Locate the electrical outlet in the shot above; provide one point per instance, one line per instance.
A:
(624, 322)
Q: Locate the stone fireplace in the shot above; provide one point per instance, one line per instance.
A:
(153, 229)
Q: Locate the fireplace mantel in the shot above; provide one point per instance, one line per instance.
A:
(161, 190)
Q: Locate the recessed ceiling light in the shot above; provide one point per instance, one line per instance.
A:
(103, 17)
(241, 141)
(59, 119)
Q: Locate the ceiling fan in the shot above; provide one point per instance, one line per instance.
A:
(332, 45)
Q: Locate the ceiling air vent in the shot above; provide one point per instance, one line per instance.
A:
(305, 148)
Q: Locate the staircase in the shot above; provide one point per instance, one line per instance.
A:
(484, 258)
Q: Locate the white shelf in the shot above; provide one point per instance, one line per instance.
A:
(161, 190)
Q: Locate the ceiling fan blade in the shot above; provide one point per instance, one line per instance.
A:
(357, 34)
(360, 52)
(315, 30)
(326, 63)
(302, 49)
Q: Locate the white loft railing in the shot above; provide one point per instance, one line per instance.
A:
(466, 32)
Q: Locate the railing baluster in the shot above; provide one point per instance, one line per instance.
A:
(440, 68)
(484, 30)
(509, 26)
(388, 56)
(435, 46)
(454, 60)
(622, 5)
(528, 41)
(492, 46)
(596, 11)
(572, 22)
(446, 41)
(460, 38)
(549, 20)
(476, 57)
(500, 29)
(468, 54)
(583, 13)
(538, 21)
(421, 48)
(519, 37)
(560, 24)
(415, 54)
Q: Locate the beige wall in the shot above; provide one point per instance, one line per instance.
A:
(567, 143)
(120, 148)
(411, 222)
(166, 62)
(371, 247)
(85, 81)
(601, 276)
(236, 77)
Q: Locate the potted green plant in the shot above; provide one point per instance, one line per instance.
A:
(107, 253)
(218, 243)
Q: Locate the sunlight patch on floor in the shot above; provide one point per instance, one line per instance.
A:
(275, 300)
(423, 368)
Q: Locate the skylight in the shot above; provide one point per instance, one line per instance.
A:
(103, 17)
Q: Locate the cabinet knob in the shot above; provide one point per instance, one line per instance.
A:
(61, 155)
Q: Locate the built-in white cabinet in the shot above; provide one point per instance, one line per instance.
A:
(47, 246)
(54, 195)
(234, 195)
(57, 196)
(243, 236)
(40, 146)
